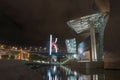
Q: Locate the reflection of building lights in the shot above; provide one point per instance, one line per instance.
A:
(75, 73)
(49, 75)
(55, 68)
(56, 77)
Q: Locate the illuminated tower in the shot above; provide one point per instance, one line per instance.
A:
(53, 45)
(71, 45)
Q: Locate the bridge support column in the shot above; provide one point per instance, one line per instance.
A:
(93, 42)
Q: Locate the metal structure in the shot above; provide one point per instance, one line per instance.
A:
(94, 23)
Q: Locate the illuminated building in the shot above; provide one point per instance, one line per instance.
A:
(71, 45)
(14, 53)
(23, 55)
(83, 51)
(94, 23)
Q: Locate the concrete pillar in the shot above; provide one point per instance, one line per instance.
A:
(93, 42)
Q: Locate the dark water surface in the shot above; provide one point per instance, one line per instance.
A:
(56, 72)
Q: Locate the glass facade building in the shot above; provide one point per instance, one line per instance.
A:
(71, 45)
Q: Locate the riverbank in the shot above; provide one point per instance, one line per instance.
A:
(17, 70)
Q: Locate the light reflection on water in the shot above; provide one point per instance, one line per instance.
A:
(65, 73)
(68, 74)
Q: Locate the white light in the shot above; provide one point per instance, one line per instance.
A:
(56, 40)
(50, 44)
(75, 73)
(55, 68)
(75, 55)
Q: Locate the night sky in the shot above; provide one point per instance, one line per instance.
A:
(31, 21)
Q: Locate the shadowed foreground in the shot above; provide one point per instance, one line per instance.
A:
(16, 70)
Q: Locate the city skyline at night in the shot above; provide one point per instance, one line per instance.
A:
(59, 39)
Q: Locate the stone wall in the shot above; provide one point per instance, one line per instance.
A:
(112, 37)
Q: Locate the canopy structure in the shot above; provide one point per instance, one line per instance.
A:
(95, 23)
(82, 24)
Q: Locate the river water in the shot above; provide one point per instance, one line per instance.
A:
(56, 72)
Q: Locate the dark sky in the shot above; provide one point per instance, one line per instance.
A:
(31, 21)
(112, 31)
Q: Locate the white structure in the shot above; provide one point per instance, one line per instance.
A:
(53, 44)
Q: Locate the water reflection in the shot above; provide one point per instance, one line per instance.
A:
(64, 73)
